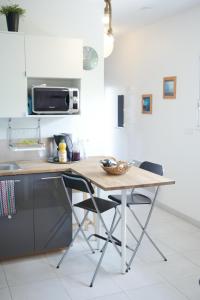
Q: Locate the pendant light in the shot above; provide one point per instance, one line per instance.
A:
(108, 32)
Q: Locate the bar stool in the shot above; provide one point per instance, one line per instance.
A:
(92, 204)
(137, 198)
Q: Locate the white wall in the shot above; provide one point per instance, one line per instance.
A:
(169, 136)
(76, 19)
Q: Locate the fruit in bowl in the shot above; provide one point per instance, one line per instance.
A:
(114, 167)
(108, 162)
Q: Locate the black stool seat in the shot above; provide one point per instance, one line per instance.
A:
(102, 204)
(132, 199)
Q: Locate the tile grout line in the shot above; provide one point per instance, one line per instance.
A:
(155, 284)
(8, 286)
(113, 294)
(30, 282)
(178, 277)
(176, 288)
(187, 258)
(33, 283)
(59, 279)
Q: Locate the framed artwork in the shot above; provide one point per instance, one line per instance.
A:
(169, 87)
(147, 104)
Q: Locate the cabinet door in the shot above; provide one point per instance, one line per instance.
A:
(13, 86)
(16, 234)
(49, 57)
(52, 213)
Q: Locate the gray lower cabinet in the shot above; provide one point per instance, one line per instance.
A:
(43, 220)
(17, 233)
(52, 213)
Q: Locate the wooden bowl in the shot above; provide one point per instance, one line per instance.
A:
(121, 168)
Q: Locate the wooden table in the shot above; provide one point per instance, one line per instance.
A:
(134, 178)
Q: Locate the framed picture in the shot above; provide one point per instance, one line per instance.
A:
(147, 104)
(169, 87)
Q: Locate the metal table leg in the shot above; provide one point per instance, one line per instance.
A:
(97, 224)
(123, 231)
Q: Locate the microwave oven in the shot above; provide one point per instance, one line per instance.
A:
(55, 100)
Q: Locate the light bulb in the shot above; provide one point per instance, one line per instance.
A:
(106, 19)
(108, 44)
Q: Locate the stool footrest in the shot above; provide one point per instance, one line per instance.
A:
(118, 243)
(116, 240)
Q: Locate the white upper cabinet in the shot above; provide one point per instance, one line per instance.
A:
(23, 57)
(49, 57)
(13, 83)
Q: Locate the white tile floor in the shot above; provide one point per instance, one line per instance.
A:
(151, 278)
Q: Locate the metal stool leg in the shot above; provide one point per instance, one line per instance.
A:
(97, 224)
(112, 239)
(76, 234)
(143, 232)
(75, 216)
(143, 229)
(146, 233)
(116, 224)
(112, 232)
(81, 228)
(104, 250)
(130, 231)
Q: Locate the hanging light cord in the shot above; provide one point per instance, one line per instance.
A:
(108, 9)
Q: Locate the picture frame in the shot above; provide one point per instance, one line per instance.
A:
(169, 87)
(147, 104)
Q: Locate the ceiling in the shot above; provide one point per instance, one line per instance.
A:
(131, 14)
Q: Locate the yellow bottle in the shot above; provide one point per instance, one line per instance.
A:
(62, 153)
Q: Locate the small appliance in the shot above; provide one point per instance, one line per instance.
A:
(55, 100)
(67, 137)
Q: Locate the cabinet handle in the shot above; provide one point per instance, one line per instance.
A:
(16, 181)
(48, 178)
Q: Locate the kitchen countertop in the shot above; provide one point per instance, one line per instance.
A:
(31, 167)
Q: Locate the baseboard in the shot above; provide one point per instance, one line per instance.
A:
(178, 214)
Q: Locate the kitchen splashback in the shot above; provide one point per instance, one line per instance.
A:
(8, 155)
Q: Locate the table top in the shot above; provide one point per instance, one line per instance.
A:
(134, 178)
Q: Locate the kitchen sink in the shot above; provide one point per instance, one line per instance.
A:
(9, 166)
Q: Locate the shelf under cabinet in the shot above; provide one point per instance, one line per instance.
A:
(36, 147)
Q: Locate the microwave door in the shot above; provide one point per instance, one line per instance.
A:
(51, 101)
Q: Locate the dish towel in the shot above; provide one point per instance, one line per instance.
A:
(7, 198)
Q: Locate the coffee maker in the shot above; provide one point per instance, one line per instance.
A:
(67, 137)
